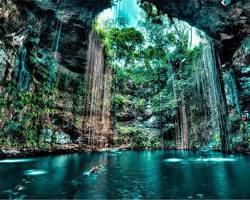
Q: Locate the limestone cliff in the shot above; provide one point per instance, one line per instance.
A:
(43, 58)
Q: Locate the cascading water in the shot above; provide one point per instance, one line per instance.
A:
(203, 115)
(182, 128)
(184, 125)
(200, 115)
(58, 36)
(98, 89)
(182, 131)
(211, 88)
(22, 74)
(57, 40)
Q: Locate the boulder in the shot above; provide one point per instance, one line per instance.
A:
(62, 138)
(153, 122)
(46, 136)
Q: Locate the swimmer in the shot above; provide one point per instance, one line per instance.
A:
(95, 169)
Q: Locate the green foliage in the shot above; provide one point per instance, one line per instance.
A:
(13, 127)
(242, 140)
(120, 76)
(25, 126)
(125, 43)
(135, 138)
(164, 104)
(156, 70)
(101, 33)
(119, 100)
(138, 104)
(152, 13)
(216, 140)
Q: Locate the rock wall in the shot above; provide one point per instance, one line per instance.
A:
(43, 57)
(229, 27)
(241, 69)
(44, 44)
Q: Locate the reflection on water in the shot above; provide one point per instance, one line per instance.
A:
(215, 159)
(173, 160)
(201, 160)
(34, 172)
(131, 175)
(16, 160)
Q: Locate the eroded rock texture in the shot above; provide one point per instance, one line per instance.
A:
(44, 46)
(227, 25)
(45, 41)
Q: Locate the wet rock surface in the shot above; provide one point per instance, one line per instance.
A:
(34, 27)
(228, 25)
(241, 66)
(43, 44)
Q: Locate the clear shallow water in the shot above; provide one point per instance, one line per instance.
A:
(128, 174)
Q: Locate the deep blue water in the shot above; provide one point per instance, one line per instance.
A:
(128, 175)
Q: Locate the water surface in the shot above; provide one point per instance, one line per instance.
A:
(127, 174)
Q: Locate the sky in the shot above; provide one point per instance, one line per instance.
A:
(128, 7)
(134, 14)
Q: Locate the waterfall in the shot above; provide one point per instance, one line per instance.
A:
(182, 118)
(182, 132)
(58, 36)
(22, 73)
(202, 115)
(211, 89)
(98, 90)
(184, 125)
(58, 33)
(56, 54)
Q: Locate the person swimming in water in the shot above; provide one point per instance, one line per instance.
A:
(95, 169)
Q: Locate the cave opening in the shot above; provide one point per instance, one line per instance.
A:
(129, 75)
(138, 99)
(166, 87)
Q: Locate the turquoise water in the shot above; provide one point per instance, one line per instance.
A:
(127, 175)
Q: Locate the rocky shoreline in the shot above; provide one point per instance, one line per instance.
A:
(12, 152)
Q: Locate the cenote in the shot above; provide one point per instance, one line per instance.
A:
(156, 93)
(128, 175)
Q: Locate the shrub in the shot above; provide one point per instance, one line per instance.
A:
(119, 100)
